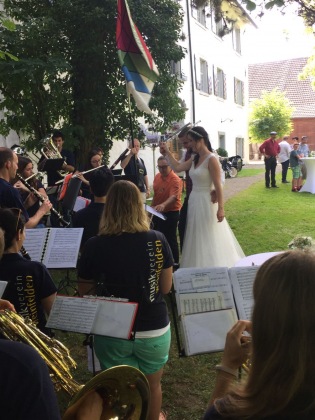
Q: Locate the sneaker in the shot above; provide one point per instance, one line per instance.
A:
(274, 186)
(294, 190)
(285, 182)
(268, 186)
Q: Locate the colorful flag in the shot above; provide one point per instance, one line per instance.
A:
(135, 58)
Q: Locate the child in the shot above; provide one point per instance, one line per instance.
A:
(295, 160)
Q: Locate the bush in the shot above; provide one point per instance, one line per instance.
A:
(222, 152)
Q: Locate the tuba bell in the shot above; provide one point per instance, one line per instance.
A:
(124, 389)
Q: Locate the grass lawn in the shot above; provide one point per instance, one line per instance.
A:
(263, 220)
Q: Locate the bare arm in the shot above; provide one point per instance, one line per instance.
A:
(47, 303)
(177, 166)
(165, 281)
(44, 208)
(215, 173)
(127, 159)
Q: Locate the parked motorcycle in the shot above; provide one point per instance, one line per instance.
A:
(231, 165)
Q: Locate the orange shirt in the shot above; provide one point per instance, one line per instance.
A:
(166, 187)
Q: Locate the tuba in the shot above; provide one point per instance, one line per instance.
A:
(124, 389)
(50, 151)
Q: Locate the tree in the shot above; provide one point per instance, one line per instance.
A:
(68, 74)
(272, 112)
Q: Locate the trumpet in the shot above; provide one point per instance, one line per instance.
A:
(125, 390)
(41, 198)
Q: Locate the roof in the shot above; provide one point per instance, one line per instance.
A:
(284, 75)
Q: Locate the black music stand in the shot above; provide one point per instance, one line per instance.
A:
(51, 164)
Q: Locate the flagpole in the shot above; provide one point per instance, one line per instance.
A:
(132, 138)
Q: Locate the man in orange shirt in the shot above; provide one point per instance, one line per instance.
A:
(167, 188)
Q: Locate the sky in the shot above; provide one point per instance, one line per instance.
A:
(278, 37)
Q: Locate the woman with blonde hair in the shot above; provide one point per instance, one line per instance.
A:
(280, 383)
(128, 260)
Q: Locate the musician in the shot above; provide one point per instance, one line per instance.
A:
(280, 383)
(89, 217)
(30, 201)
(94, 161)
(9, 196)
(167, 188)
(54, 176)
(30, 288)
(133, 165)
(134, 263)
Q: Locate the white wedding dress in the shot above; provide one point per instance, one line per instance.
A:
(207, 243)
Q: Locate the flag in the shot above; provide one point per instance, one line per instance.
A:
(136, 61)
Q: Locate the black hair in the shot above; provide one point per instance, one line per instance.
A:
(100, 181)
(23, 162)
(58, 133)
(11, 221)
(198, 133)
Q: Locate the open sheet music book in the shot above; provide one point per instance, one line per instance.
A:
(3, 285)
(54, 247)
(209, 301)
(108, 317)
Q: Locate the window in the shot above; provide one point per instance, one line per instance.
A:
(237, 40)
(222, 140)
(199, 13)
(238, 92)
(203, 81)
(176, 69)
(219, 83)
(239, 146)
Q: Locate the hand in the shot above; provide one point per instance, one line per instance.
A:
(160, 207)
(46, 206)
(220, 214)
(5, 304)
(133, 151)
(20, 186)
(88, 407)
(237, 345)
(213, 195)
(147, 193)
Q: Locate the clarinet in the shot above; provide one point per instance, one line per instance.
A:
(121, 157)
(25, 254)
(42, 199)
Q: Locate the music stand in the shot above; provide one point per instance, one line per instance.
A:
(51, 164)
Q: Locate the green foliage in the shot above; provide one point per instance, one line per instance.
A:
(68, 75)
(272, 112)
(222, 152)
(309, 71)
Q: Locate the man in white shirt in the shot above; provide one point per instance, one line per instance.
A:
(284, 157)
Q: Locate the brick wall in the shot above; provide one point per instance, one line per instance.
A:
(304, 127)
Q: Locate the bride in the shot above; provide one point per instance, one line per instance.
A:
(209, 240)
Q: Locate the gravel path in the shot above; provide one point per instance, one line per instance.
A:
(235, 185)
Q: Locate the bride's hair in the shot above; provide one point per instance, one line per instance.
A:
(198, 133)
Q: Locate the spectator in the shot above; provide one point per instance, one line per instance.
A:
(284, 158)
(270, 149)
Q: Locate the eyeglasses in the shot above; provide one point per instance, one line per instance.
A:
(17, 212)
(162, 167)
(96, 161)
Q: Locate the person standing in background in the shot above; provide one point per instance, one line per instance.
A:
(270, 149)
(284, 157)
(303, 151)
(167, 188)
(133, 165)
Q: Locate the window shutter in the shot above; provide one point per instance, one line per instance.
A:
(197, 72)
(243, 93)
(215, 82)
(235, 90)
(224, 86)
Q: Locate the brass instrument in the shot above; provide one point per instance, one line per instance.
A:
(50, 151)
(124, 389)
(41, 199)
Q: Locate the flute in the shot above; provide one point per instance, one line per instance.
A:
(42, 199)
(89, 170)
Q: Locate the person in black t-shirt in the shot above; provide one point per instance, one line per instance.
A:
(133, 165)
(89, 217)
(30, 288)
(128, 260)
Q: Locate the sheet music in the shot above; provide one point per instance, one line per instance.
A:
(215, 279)
(3, 285)
(191, 303)
(206, 332)
(111, 318)
(72, 314)
(151, 210)
(81, 203)
(242, 279)
(54, 247)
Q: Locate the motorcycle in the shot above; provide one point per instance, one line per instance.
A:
(231, 165)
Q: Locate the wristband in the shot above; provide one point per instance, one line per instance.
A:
(226, 370)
